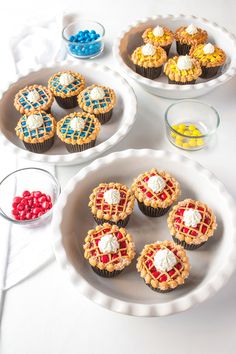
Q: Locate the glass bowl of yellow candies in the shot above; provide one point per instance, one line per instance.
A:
(191, 125)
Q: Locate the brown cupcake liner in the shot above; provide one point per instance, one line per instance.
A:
(104, 117)
(120, 223)
(167, 48)
(152, 212)
(186, 245)
(208, 73)
(181, 83)
(182, 49)
(105, 274)
(39, 148)
(157, 290)
(79, 148)
(149, 73)
(67, 102)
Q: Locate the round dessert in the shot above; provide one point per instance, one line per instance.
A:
(211, 59)
(191, 223)
(112, 203)
(182, 70)
(36, 130)
(65, 86)
(155, 192)
(78, 131)
(33, 98)
(188, 36)
(98, 100)
(163, 265)
(148, 60)
(109, 249)
(159, 37)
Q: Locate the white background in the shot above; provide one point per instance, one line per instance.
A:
(44, 314)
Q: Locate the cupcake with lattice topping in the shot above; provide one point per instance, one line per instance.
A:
(188, 36)
(159, 37)
(155, 192)
(163, 265)
(65, 86)
(109, 249)
(36, 131)
(98, 100)
(191, 223)
(33, 98)
(78, 131)
(112, 203)
(149, 60)
(182, 70)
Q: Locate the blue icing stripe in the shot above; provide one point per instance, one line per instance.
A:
(96, 103)
(68, 132)
(28, 105)
(65, 89)
(36, 133)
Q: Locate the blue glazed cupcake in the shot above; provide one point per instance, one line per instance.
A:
(36, 131)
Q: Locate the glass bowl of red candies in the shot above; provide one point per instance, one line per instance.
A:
(27, 196)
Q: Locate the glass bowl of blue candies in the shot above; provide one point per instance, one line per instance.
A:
(84, 39)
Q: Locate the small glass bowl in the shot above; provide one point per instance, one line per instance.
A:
(84, 50)
(190, 124)
(31, 179)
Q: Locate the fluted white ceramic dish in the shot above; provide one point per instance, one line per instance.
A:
(131, 37)
(211, 265)
(111, 133)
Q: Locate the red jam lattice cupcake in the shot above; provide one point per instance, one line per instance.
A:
(112, 203)
(155, 192)
(109, 249)
(163, 265)
(191, 223)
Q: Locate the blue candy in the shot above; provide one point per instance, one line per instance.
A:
(86, 37)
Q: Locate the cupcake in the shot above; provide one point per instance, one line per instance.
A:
(78, 131)
(211, 59)
(182, 70)
(191, 223)
(65, 86)
(33, 98)
(112, 203)
(36, 130)
(188, 36)
(109, 249)
(148, 60)
(163, 265)
(155, 192)
(98, 100)
(159, 37)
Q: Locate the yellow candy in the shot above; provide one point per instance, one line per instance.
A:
(182, 126)
(186, 132)
(200, 142)
(178, 141)
(192, 142)
(196, 133)
(173, 134)
(175, 127)
(185, 145)
(192, 127)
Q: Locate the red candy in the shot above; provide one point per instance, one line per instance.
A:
(31, 205)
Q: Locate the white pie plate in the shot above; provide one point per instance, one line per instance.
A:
(131, 37)
(111, 133)
(211, 265)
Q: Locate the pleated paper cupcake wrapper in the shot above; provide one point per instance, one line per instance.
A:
(150, 73)
(105, 274)
(157, 290)
(68, 102)
(104, 117)
(40, 148)
(120, 223)
(167, 48)
(208, 73)
(182, 49)
(79, 148)
(152, 212)
(186, 245)
(181, 83)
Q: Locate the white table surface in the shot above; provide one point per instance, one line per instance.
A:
(44, 314)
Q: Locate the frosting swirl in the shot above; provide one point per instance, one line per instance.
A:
(191, 29)
(148, 49)
(77, 124)
(33, 96)
(191, 217)
(156, 184)
(97, 93)
(108, 244)
(158, 31)
(208, 48)
(164, 260)
(112, 196)
(184, 62)
(34, 121)
(66, 79)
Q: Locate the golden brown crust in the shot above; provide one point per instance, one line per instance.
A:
(190, 39)
(124, 255)
(206, 227)
(97, 110)
(172, 190)
(112, 212)
(43, 107)
(163, 280)
(162, 41)
(218, 58)
(149, 61)
(174, 73)
(79, 87)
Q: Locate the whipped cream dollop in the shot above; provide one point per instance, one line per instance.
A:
(156, 184)
(77, 124)
(164, 260)
(191, 29)
(33, 96)
(112, 196)
(66, 79)
(148, 49)
(191, 217)
(158, 31)
(97, 93)
(34, 121)
(208, 48)
(184, 62)
(108, 244)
